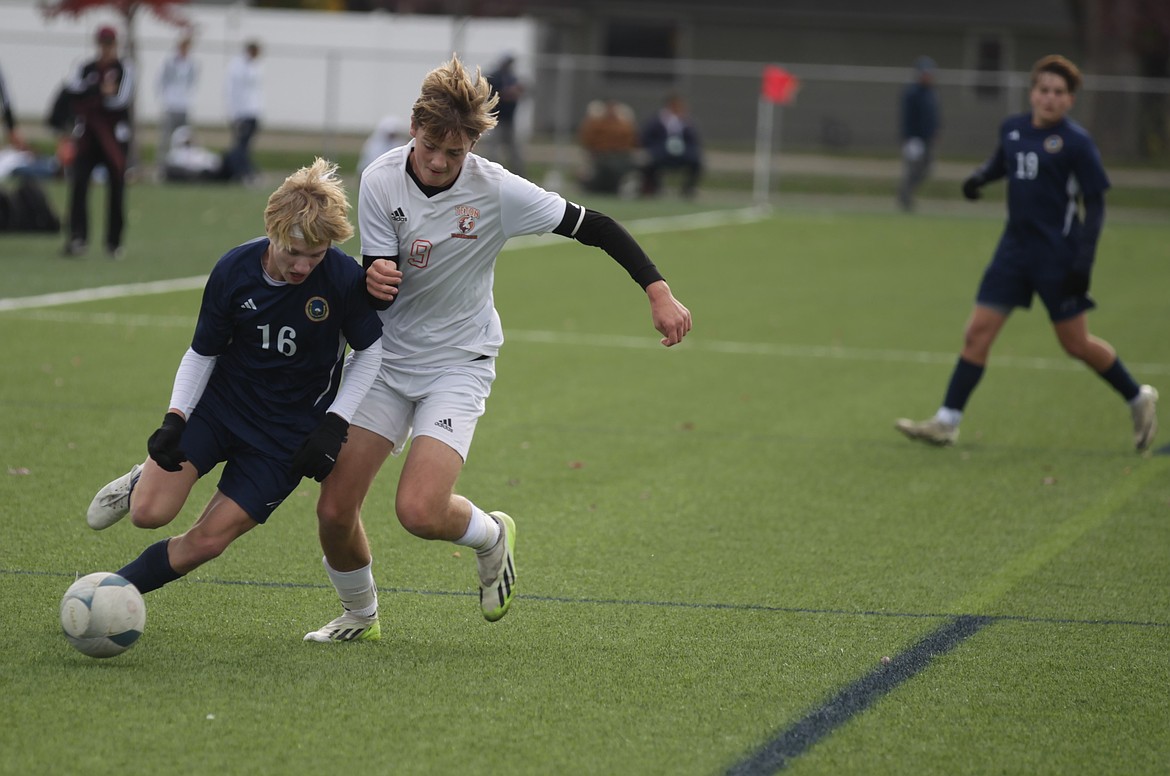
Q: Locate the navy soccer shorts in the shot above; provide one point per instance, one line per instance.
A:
(256, 480)
(1010, 282)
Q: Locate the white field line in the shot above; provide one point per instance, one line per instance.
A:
(105, 292)
(644, 226)
(563, 339)
(31, 308)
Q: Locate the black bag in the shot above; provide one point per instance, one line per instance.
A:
(30, 211)
(60, 114)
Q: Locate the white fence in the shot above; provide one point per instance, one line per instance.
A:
(320, 72)
(340, 73)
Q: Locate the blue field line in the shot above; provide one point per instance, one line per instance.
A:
(854, 699)
(705, 606)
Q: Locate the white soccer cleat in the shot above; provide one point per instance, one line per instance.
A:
(112, 502)
(497, 571)
(347, 627)
(1145, 418)
(932, 431)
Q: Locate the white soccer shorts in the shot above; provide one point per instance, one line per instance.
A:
(444, 403)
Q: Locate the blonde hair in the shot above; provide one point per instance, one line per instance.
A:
(310, 205)
(1058, 65)
(453, 101)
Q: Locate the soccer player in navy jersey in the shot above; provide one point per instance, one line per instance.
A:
(434, 217)
(261, 388)
(1047, 249)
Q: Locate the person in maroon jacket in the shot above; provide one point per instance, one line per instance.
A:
(100, 91)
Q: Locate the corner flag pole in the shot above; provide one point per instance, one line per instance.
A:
(777, 87)
(763, 166)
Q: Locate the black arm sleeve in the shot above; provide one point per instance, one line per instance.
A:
(600, 231)
(990, 170)
(375, 302)
(1090, 233)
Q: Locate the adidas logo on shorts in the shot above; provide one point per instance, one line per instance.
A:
(445, 424)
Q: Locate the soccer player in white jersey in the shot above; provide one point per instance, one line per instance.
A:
(1053, 171)
(259, 387)
(433, 218)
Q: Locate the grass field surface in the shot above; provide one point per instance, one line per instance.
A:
(717, 543)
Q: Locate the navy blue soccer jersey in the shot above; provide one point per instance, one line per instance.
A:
(1049, 170)
(279, 348)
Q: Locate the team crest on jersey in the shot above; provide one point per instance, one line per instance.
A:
(317, 309)
(1053, 143)
(467, 217)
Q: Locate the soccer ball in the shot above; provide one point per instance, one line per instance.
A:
(102, 614)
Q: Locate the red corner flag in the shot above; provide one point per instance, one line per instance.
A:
(779, 85)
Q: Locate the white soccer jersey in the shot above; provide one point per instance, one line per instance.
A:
(447, 247)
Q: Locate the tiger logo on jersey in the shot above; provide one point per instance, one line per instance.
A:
(317, 309)
(467, 217)
(1053, 143)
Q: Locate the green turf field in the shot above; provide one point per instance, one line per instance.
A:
(717, 543)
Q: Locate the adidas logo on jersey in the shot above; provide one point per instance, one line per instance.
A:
(398, 215)
(248, 305)
(444, 424)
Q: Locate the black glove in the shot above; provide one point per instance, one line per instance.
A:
(971, 187)
(1076, 283)
(318, 452)
(163, 444)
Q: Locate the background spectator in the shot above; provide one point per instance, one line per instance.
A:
(245, 104)
(502, 140)
(391, 132)
(671, 142)
(176, 87)
(610, 136)
(14, 138)
(100, 91)
(920, 120)
(15, 157)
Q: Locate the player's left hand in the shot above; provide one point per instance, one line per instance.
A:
(971, 187)
(318, 453)
(671, 318)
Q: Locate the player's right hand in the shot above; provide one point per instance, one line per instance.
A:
(163, 444)
(382, 279)
(671, 318)
(971, 187)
